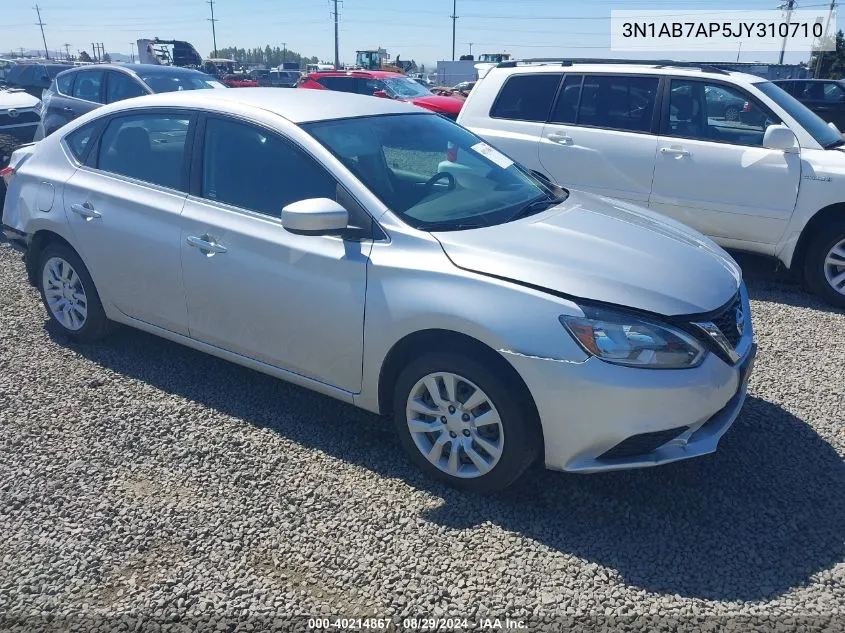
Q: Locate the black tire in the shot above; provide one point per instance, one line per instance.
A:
(522, 437)
(814, 264)
(96, 325)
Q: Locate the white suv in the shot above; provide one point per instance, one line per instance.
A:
(729, 154)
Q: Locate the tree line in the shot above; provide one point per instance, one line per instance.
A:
(269, 56)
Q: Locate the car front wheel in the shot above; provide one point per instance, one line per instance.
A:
(824, 267)
(463, 423)
(69, 294)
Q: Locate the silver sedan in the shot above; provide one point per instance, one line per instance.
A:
(385, 256)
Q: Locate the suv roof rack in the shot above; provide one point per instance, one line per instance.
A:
(657, 63)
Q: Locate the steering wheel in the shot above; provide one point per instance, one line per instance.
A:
(440, 176)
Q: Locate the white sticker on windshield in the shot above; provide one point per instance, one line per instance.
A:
(491, 153)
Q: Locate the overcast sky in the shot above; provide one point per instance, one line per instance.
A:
(418, 29)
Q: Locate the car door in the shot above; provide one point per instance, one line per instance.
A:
(715, 175)
(521, 110)
(124, 208)
(86, 94)
(291, 301)
(601, 135)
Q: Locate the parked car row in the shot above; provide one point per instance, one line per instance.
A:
(416, 271)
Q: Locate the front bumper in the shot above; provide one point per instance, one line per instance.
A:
(589, 410)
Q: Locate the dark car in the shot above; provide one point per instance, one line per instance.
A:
(825, 97)
(75, 92)
(284, 78)
(35, 78)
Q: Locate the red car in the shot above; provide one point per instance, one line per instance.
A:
(239, 81)
(380, 83)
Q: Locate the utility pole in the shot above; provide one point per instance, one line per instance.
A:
(824, 37)
(739, 50)
(454, 17)
(470, 47)
(94, 51)
(213, 29)
(336, 42)
(790, 5)
(67, 51)
(132, 50)
(42, 25)
(284, 52)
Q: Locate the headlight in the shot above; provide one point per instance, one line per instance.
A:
(625, 339)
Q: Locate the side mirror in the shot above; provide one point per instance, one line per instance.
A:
(780, 137)
(314, 216)
(380, 93)
(833, 127)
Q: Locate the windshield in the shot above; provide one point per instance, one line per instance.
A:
(810, 121)
(175, 81)
(405, 88)
(432, 173)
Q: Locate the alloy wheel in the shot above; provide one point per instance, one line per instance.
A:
(64, 293)
(455, 425)
(834, 267)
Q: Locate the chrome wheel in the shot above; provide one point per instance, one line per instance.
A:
(455, 425)
(834, 267)
(64, 293)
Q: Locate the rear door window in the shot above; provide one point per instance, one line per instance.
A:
(566, 107)
(121, 86)
(148, 147)
(87, 86)
(618, 102)
(526, 97)
(341, 84)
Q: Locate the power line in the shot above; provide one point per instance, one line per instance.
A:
(42, 25)
(213, 29)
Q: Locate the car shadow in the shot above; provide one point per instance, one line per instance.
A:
(769, 281)
(753, 520)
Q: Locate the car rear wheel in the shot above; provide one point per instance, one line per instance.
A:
(69, 294)
(824, 267)
(462, 423)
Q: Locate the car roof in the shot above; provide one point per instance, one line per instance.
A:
(658, 68)
(134, 68)
(378, 74)
(297, 106)
(779, 81)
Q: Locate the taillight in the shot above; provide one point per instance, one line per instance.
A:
(452, 153)
(6, 173)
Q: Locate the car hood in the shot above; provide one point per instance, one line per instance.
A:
(606, 250)
(438, 103)
(17, 99)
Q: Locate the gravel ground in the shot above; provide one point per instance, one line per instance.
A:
(144, 485)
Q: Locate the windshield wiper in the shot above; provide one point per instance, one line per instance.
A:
(834, 144)
(535, 206)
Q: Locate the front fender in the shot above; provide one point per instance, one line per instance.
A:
(416, 288)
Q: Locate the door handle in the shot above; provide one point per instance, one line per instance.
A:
(562, 139)
(86, 211)
(206, 244)
(676, 151)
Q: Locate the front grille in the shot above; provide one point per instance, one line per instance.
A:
(726, 321)
(24, 134)
(23, 117)
(642, 444)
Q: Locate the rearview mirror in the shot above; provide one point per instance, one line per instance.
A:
(380, 93)
(779, 137)
(314, 216)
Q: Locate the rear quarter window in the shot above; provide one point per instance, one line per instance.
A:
(526, 97)
(79, 140)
